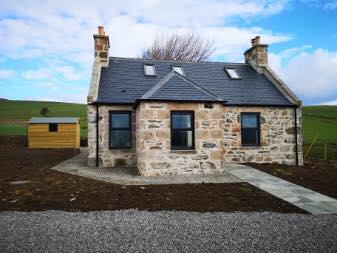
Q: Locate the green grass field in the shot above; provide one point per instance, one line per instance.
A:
(14, 114)
(320, 120)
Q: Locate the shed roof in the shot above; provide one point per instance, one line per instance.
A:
(47, 120)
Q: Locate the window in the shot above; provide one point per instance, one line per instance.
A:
(149, 70)
(178, 69)
(182, 130)
(120, 129)
(250, 129)
(53, 127)
(232, 73)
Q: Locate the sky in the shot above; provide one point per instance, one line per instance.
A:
(47, 48)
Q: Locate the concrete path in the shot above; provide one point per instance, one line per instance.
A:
(310, 201)
(142, 231)
(129, 176)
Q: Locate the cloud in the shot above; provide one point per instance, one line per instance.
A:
(57, 35)
(65, 31)
(6, 73)
(312, 75)
(332, 102)
(79, 97)
(38, 74)
(276, 61)
(69, 73)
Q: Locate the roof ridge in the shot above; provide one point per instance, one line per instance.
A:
(158, 85)
(173, 61)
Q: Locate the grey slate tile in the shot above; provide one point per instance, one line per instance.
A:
(124, 82)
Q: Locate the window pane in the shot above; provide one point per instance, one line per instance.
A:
(181, 121)
(250, 136)
(53, 127)
(120, 120)
(182, 139)
(178, 69)
(249, 120)
(233, 74)
(120, 138)
(149, 70)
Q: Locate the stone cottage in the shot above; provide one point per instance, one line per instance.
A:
(172, 117)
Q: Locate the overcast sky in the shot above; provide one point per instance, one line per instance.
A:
(46, 47)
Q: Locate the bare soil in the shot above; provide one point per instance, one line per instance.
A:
(50, 189)
(317, 175)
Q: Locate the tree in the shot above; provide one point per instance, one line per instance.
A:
(180, 47)
(44, 111)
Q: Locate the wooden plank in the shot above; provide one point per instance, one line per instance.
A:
(40, 137)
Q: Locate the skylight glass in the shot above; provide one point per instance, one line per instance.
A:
(178, 69)
(232, 74)
(149, 70)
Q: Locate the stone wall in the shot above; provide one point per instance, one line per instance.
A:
(277, 136)
(217, 138)
(109, 157)
(154, 154)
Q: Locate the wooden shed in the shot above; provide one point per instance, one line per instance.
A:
(48, 132)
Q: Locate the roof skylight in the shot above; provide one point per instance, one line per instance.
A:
(149, 70)
(232, 73)
(178, 69)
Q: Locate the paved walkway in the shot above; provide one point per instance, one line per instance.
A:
(129, 176)
(310, 201)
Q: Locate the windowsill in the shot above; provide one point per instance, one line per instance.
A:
(250, 146)
(183, 151)
(123, 149)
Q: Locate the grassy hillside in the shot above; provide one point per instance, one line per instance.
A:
(320, 120)
(14, 114)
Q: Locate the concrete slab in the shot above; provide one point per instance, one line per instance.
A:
(304, 198)
(19, 182)
(129, 176)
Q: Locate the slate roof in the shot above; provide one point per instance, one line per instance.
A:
(123, 81)
(47, 120)
(176, 87)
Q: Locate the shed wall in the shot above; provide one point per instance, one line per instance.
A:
(67, 136)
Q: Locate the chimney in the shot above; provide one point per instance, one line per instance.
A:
(258, 53)
(102, 46)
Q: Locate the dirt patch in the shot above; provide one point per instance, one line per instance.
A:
(317, 175)
(50, 189)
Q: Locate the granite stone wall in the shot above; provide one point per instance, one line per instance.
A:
(217, 138)
(154, 154)
(109, 157)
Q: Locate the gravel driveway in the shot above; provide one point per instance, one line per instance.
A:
(132, 230)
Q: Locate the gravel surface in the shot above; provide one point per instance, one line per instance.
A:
(132, 230)
(77, 165)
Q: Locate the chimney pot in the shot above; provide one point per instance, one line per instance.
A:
(257, 40)
(102, 45)
(258, 53)
(101, 30)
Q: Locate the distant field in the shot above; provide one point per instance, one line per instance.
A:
(15, 114)
(320, 120)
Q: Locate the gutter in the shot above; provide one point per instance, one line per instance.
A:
(296, 145)
(97, 134)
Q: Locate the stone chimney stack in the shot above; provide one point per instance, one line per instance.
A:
(102, 46)
(258, 53)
